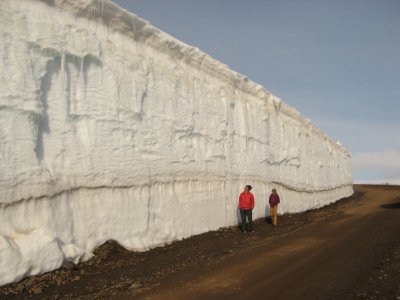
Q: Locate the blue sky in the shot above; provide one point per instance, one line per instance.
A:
(337, 62)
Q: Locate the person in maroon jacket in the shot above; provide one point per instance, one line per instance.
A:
(273, 207)
(246, 205)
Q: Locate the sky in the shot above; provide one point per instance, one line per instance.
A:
(337, 62)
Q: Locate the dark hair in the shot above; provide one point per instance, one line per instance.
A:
(249, 187)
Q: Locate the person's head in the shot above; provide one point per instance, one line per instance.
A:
(274, 191)
(247, 188)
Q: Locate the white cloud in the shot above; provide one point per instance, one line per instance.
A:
(394, 181)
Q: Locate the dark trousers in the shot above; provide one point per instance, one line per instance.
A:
(243, 214)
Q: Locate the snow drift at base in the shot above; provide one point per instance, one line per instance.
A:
(112, 129)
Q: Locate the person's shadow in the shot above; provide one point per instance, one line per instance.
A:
(267, 215)
(238, 218)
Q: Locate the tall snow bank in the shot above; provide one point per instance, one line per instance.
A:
(112, 129)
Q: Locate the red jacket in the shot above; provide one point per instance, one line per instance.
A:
(274, 200)
(246, 200)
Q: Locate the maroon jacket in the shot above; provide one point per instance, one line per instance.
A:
(274, 200)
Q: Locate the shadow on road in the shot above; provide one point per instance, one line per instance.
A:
(392, 205)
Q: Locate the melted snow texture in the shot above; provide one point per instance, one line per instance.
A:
(112, 129)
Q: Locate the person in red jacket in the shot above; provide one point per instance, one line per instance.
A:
(246, 205)
(273, 206)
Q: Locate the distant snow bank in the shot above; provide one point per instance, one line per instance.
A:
(112, 129)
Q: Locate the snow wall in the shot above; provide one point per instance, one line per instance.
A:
(112, 129)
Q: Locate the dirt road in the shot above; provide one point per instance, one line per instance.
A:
(347, 250)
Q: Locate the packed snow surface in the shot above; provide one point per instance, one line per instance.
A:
(112, 129)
